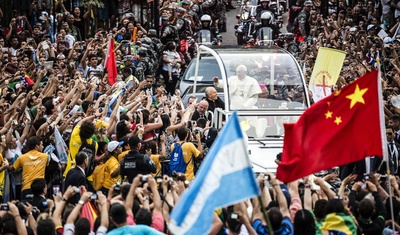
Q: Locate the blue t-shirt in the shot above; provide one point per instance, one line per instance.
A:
(286, 227)
(134, 230)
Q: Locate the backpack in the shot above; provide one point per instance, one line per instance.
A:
(98, 176)
(177, 162)
(90, 150)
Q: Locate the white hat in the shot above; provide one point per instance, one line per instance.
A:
(371, 26)
(308, 3)
(113, 145)
(387, 40)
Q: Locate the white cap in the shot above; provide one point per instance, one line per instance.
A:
(370, 27)
(387, 40)
(113, 145)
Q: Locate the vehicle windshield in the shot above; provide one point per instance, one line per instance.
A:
(208, 68)
(273, 79)
(204, 37)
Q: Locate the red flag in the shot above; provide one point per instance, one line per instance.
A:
(342, 128)
(28, 80)
(111, 63)
(89, 212)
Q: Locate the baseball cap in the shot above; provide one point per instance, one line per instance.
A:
(100, 123)
(387, 40)
(371, 26)
(134, 140)
(308, 3)
(125, 141)
(113, 145)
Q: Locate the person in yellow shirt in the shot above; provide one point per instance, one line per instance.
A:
(189, 150)
(111, 171)
(83, 130)
(3, 166)
(152, 151)
(33, 164)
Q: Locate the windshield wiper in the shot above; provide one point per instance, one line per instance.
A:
(274, 136)
(259, 141)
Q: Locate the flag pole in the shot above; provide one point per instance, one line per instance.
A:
(383, 136)
(266, 217)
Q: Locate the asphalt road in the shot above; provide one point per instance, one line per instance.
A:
(228, 38)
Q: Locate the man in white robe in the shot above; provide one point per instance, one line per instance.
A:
(243, 90)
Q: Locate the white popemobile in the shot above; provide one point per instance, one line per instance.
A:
(266, 87)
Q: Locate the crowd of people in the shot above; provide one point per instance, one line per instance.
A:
(80, 155)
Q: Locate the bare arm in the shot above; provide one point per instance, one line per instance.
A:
(281, 198)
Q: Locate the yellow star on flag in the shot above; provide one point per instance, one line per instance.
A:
(357, 96)
(338, 120)
(328, 114)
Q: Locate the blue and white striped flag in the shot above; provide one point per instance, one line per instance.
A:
(224, 178)
(60, 146)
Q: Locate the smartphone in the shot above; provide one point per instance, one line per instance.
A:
(45, 45)
(56, 189)
(4, 49)
(144, 178)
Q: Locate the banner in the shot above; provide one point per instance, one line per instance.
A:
(326, 72)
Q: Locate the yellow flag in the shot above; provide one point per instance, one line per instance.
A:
(326, 72)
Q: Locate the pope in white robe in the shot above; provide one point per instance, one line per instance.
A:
(243, 90)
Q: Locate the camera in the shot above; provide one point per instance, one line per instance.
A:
(93, 197)
(279, 157)
(198, 130)
(366, 176)
(117, 188)
(267, 177)
(159, 179)
(234, 216)
(4, 207)
(77, 190)
(383, 177)
(144, 178)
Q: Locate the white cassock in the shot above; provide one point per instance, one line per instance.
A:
(243, 92)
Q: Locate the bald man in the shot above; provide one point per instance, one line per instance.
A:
(201, 111)
(213, 100)
(243, 90)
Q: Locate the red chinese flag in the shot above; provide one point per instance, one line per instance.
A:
(111, 63)
(342, 128)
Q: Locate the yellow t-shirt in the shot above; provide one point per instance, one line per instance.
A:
(122, 155)
(189, 151)
(1, 175)
(156, 160)
(111, 165)
(33, 164)
(74, 146)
